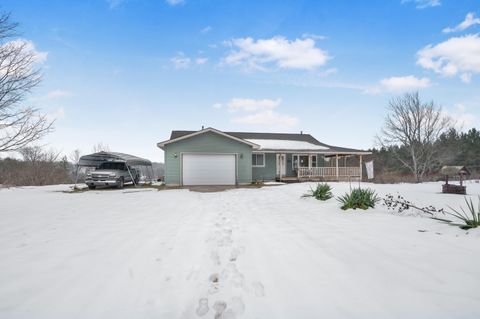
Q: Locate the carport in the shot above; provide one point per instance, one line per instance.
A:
(96, 159)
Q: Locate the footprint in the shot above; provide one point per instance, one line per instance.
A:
(193, 272)
(259, 289)
(202, 308)
(236, 252)
(214, 278)
(215, 257)
(225, 241)
(229, 314)
(213, 290)
(225, 274)
(219, 307)
(237, 306)
(238, 279)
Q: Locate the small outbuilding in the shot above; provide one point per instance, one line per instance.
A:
(454, 171)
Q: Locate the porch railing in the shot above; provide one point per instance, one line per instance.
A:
(327, 172)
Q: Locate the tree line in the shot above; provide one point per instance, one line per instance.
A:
(418, 138)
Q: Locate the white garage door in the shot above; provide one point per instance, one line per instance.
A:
(208, 169)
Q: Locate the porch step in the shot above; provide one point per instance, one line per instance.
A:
(288, 180)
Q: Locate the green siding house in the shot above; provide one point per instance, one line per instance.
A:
(213, 157)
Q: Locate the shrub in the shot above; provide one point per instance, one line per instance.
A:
(323, 192)
(471, 219)
(362, 198)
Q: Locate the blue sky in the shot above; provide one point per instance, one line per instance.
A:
(127, 72)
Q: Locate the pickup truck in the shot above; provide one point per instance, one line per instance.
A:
(113, 174)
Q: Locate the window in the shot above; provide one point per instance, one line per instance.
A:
(258, 160)
(304, 161)
(113, 165)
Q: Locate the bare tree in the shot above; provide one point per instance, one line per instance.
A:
(75, 156)
(19, 125)
(100, 147)
(413, 126)
(38, 167)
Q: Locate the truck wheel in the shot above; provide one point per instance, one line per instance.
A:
(91, 187)
(120, 183)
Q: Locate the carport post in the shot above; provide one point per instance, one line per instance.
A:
(130, 173)
(76, 177)
(152, 177)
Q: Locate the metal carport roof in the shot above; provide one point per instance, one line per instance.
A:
(95, 159)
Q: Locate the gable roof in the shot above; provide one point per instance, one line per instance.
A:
(454, 170)
(188, 134)
(275, 142)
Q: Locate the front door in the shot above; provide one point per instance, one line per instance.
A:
(281, 165)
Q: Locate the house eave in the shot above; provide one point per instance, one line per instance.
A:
(161, 145)
(324, 152)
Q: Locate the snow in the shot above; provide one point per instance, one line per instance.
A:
(251, 253)
(286, 145)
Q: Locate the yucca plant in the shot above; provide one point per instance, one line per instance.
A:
(359, 198)
(470, 218)
(322, 192)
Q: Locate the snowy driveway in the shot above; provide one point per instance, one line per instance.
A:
(247, 253)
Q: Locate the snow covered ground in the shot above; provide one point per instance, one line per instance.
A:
(251, 253)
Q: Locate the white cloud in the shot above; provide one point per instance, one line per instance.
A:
(57, 94)
(277, 51)
(115, 3)
(314, 36)
(398, 84)
(206, 29)
(460, 107)
(465, 24)
(252, 105)
(181, 61)
(28, 47)
(174, 2)
(52, 95)
(422, 4)
(457, 55)
(259, 112)
(267, 118)
(466, 77)
(58, 114)
(328, 72)
(463, 118)
(201, 61)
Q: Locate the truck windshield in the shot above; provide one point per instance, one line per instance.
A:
(115, 166)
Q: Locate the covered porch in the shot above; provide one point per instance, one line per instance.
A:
(319, 167)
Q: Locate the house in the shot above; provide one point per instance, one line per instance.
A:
(213, 157)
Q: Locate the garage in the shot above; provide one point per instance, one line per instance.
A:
(208, 169)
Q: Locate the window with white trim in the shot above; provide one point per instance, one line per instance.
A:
(258, 160)
(303, 161)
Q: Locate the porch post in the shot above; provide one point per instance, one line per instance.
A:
(336, 160)
(361, 167)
